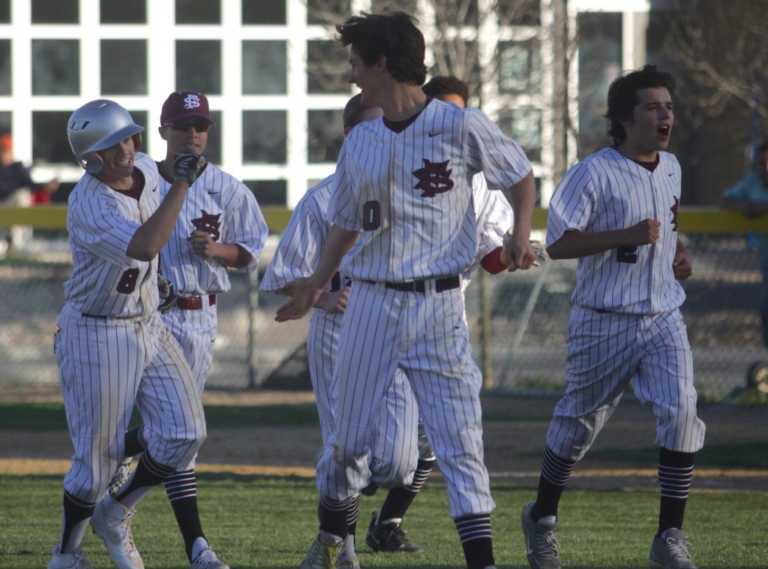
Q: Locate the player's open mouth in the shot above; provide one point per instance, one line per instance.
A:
(664, 130)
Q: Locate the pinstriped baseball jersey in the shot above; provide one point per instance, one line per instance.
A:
(410, 192)
(607, 191)
(223, 206)
(101, 223)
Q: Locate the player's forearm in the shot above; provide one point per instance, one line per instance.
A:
(339, 241)
(155, 232)
(575, 244)
(522, 198)
(231, 255)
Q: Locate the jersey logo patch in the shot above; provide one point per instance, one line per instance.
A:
(434, 178)
(673, 209)
(209, 223)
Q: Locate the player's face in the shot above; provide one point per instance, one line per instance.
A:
(652, 119)
(118, 159)
(367, 77)
(453, 99)
(187, 137)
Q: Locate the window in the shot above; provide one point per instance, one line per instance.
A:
(198, 11)
(198, 66)
(5, 11)
(123, 11)
(49, 137)
(408, 6)
(55, 11)
(265, 66)
(519, 66)
(124, 67)
(326, 135)
(264, 13)
(5, 67)
(519, 12)
(451, 12)
(327, 67)
(55, 67)
(215, 134)
(328, 12)
(523, 124)
(269, 192)
(5, 122)
(265, 136)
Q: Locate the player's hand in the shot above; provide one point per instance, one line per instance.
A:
(682, 266)
(304, 294)
(203, 244)
(187, 167)
(517, 252)
(644, 233)
(334, 302)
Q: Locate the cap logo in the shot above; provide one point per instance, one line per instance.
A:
(191, 101)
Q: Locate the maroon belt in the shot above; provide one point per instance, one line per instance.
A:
(194, 302)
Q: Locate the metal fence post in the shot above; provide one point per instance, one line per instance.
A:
(253, 307)
(486, 351)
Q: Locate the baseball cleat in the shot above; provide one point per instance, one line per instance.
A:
(670, 550)
(323, 552)
(207, 560)
(541, 545)
(111, 521)
(123, 474)
(388, 536)
(73, 560)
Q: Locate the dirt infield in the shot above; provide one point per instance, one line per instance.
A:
(275, 433)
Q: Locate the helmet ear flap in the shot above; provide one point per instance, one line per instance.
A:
(92, 163)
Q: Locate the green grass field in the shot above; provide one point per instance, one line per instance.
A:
(269, 522)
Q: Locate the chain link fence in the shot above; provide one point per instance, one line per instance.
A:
(525, 324)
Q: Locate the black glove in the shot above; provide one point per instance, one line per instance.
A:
(187, 167)
(167, 294)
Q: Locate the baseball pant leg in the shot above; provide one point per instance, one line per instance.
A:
(666, 381)
(603, 357)
(369, 350)
(322, 348)
(169, 401)
(446, 382)
(395, 444)
(100, 369)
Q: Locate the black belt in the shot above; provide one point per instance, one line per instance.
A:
(441, 284)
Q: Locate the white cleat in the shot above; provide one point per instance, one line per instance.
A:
(73, 560)
(111, 521)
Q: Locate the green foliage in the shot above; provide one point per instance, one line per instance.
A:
(269, 522)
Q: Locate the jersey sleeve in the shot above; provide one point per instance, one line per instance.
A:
(299, 249)
(344, 209)
(572, 204)
(494, 217)
(488, 150)
(94, 222)
(244, 224)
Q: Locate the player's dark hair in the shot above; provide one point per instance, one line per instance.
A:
(622, 96)
(441, 85)
(393, 36)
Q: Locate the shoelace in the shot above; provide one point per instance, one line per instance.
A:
(679, 549)
(545, 543)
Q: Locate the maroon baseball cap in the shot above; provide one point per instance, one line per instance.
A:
(184, 105)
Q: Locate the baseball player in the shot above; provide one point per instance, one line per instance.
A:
(616, 211)
(404, 182)
(112, 348)
(220, 226)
